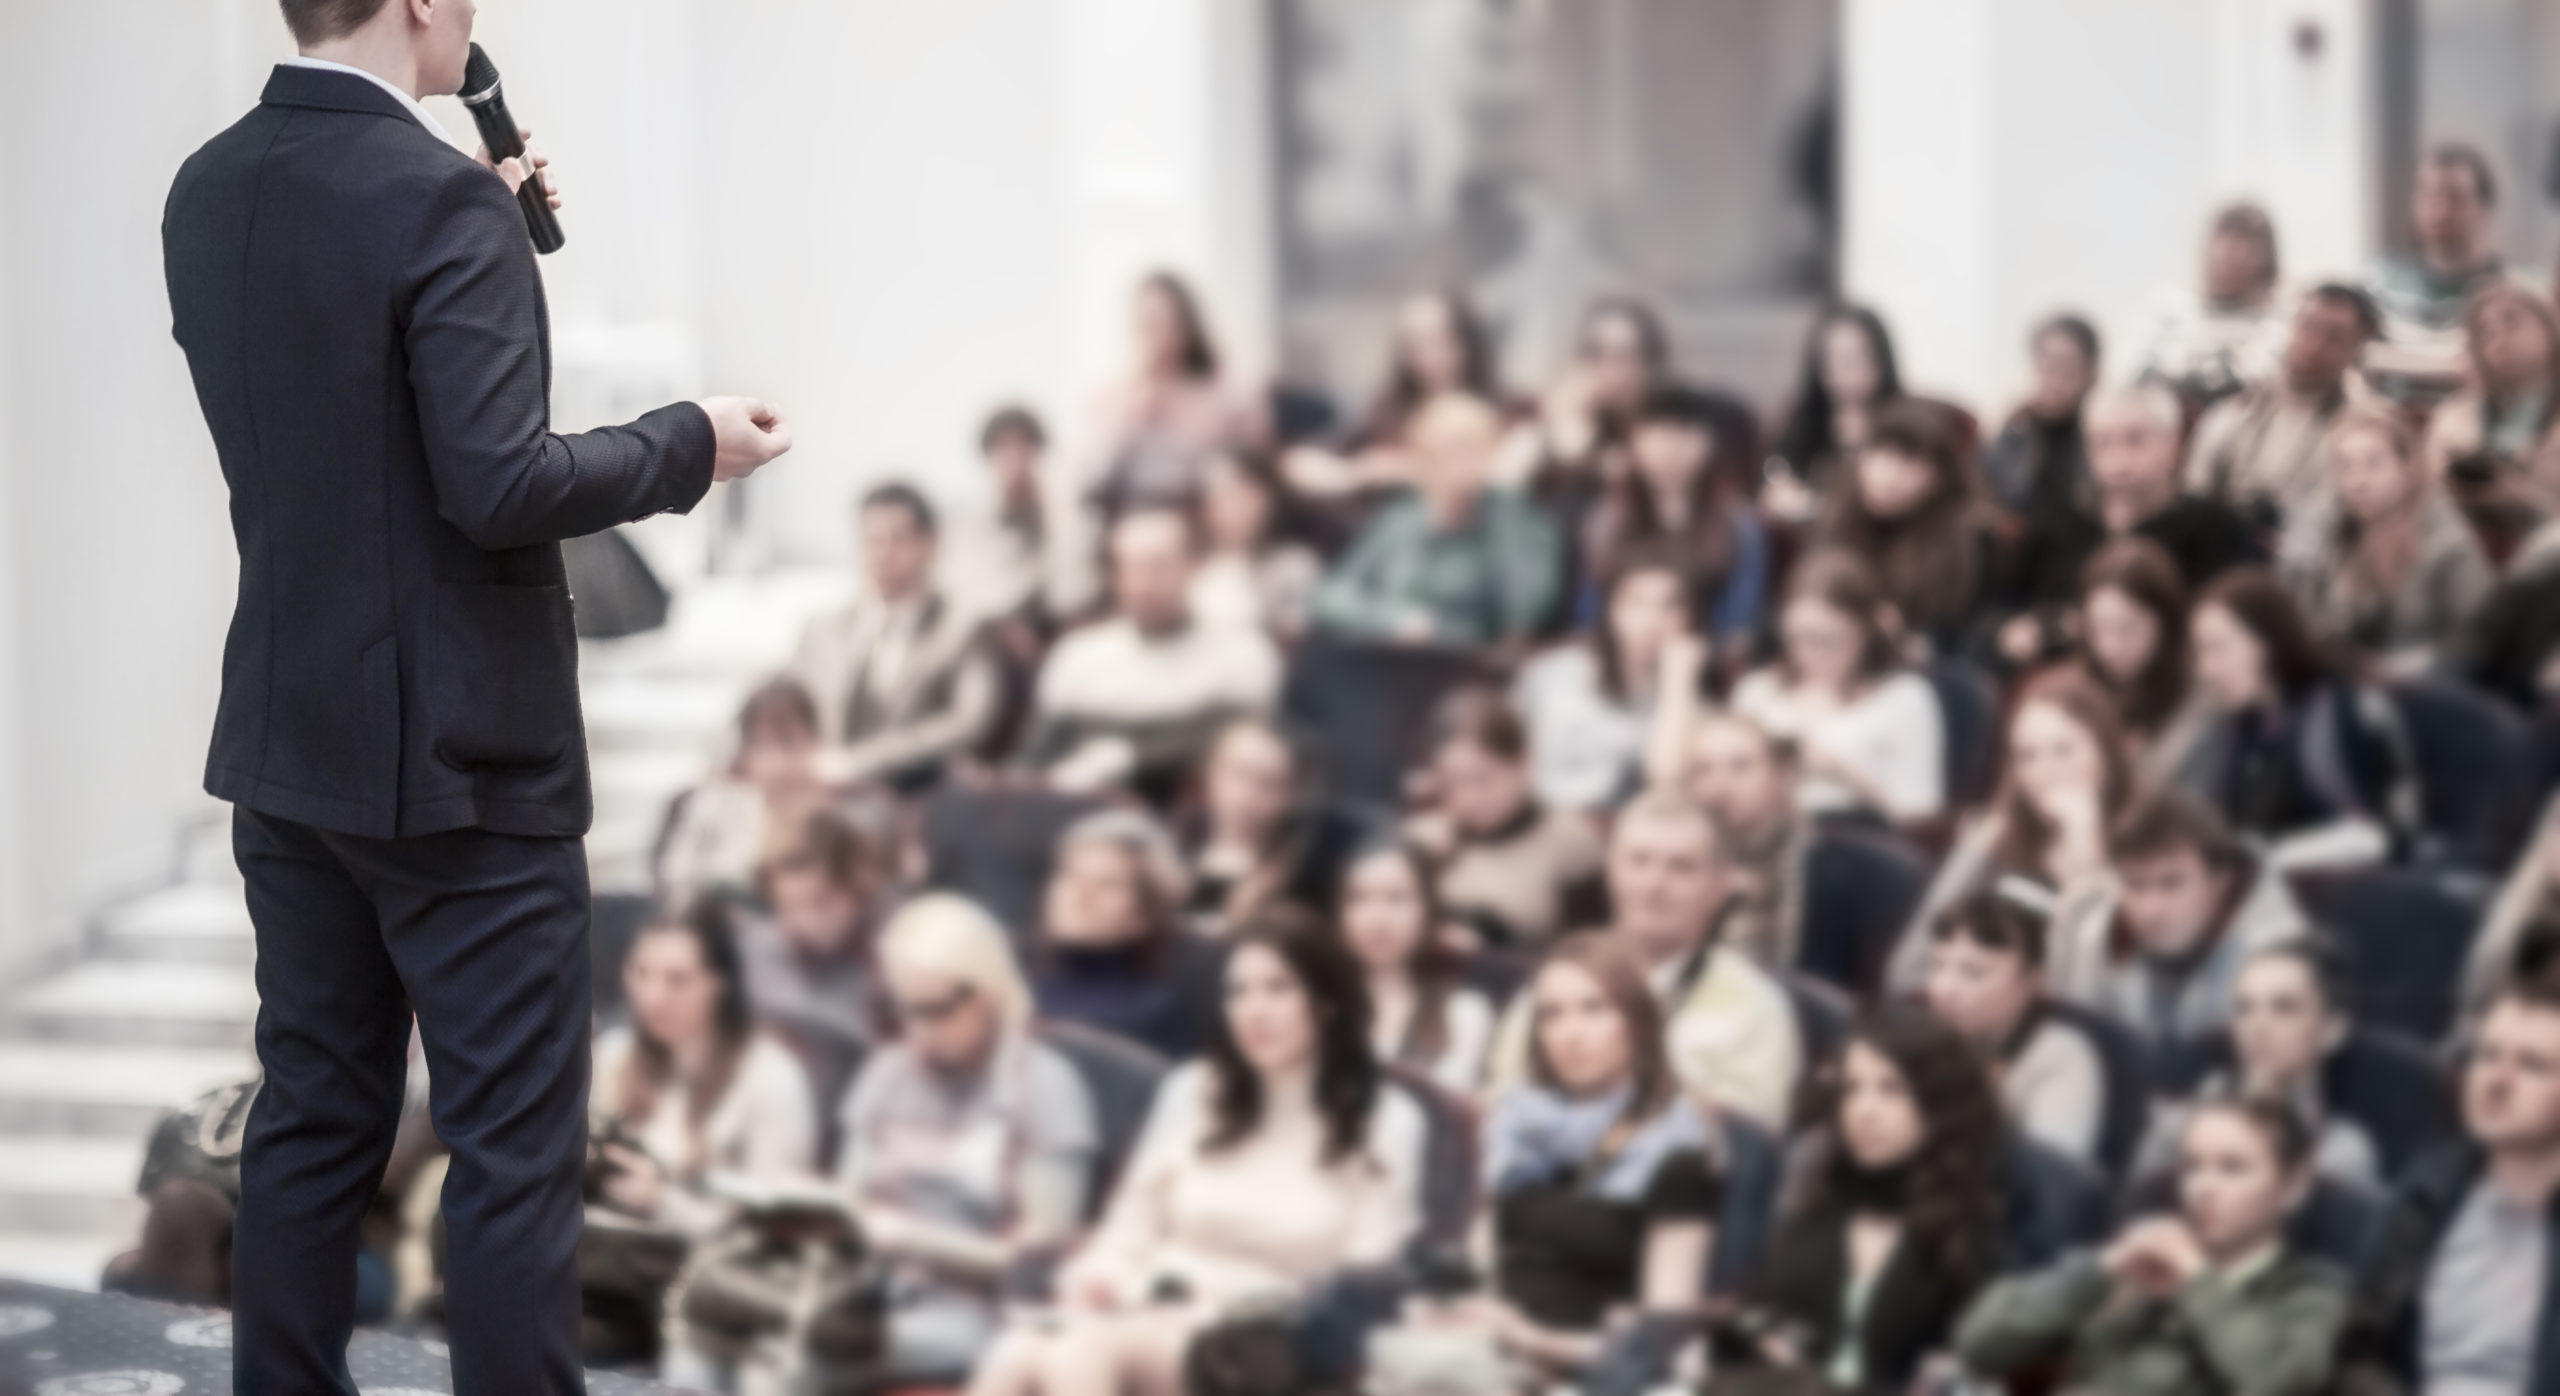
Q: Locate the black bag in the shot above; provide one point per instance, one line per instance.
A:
(1249, 1353)
(202, 1141)
(757, 1280)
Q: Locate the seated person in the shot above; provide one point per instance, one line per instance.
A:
(2044, 839)
(717, 832)
(1112, 950)
(1867, 728)
(1985, 979)
(2397, 572)
(1589, 702)
(2423, 294)
(1280, 1158)
(1802, 895)
(968, 1143)
(2129, 638)
(2207, 1299)
(2297, 752)
(2133, 463)
(2221, 334)
(807, 957)
(1456, 560)
(690, 1087)
(1253, 574)
(1679, 499)
(2457, 1300)
(1511, 869)
(1600, 1171)
(1140, 692)
(2492, 446)
(903, 679)
(2288, 1013)
(2193, 904)
(2039, 462)
(1028, 560)
(1421, 1014)
(1256, 839)
(2260, 451)
(1896, 1222)
(1730, 1030)
(1916, 511)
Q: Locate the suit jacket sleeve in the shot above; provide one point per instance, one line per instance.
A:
(474, 335)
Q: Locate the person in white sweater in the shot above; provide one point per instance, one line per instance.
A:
(1870, 730)
(693, 1088)
(1281, 1157)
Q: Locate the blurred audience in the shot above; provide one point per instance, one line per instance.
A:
(2039, 462)
(1258, 838)
(1512, 869)
(2261, 449)
(969, 1144)
(1161, 425)
(2492, 444)
(2399, 570)
(1254, 575)
(1915, 511)
(903, 680)
(1868, 728)
(2131, 641)
(1455, 560)
(1028, 560)
(1985, 979)
(1138, 694)
(2209, 1298)
(1282, 1157)
(2424, 294)
(2221, 336)
(1590, 704)
(1422, 1013)
(717, 833)
(1848, 376)
(1112, 951)
(807, 953)
(1684, 496)
(1440, 346)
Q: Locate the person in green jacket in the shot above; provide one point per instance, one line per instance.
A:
(2207, 1300)
(1455, 560)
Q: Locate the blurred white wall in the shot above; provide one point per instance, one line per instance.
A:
(2007, 158)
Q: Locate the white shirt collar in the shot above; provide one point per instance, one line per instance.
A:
(326, 66)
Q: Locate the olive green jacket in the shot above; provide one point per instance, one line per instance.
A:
(2272, 1332)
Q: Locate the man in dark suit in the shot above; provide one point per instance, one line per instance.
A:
(399, 729)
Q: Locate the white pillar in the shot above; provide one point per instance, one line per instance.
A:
(2006, 158)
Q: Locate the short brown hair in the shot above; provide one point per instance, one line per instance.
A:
(318, 21)
(2167, 820)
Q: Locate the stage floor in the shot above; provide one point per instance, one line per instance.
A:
(60, 1342)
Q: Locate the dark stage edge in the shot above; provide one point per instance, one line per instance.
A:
(61, 1342)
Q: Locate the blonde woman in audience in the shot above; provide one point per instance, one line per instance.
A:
(2044, 839)
(690, 1087)
(718, 833)
(1869, 730)
(1510, 867)
(2398, 572)
(1280, 1158)
(1423, 1016)
(968, 1142)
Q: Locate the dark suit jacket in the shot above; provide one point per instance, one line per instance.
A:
(359, 306)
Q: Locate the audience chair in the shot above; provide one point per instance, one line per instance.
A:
(1969, 705)
(1451, 1175)
(2407, 933)
(1122, 1078)
(2125, 1061)
(1861, 887)
(1365, 706)
(2053, 1204)
(2475, 782)
(994, 845)
(1755, 1168)
(2388, 1083)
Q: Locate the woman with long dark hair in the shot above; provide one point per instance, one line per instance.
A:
(1255, 573)
(1257, 838)
(1441, 345)
(1915, 509)
(691, 1085)
(1848, 376)
(2297, 753)
(1900, 1223)
(2130, 639)
(1163, 424)
(1421, 1013)
(1279, 1157)
(1590, 702)
(1869, 730)
(1686, 491)
(1586, 419)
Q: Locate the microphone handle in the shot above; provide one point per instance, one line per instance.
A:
(498, 132)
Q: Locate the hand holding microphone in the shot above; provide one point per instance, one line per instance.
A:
(502, 143)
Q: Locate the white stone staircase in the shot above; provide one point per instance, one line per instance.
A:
(161, 1005)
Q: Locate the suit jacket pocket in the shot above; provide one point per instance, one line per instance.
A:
(504, 676)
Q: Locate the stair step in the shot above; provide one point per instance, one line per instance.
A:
(191, 921)
(149, 1002)
(57, 1185)
(106, 1092)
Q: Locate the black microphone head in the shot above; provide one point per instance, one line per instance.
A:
(479, 75)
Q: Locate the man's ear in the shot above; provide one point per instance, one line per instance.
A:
(421, 12)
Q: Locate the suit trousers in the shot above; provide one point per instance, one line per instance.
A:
(484, 937)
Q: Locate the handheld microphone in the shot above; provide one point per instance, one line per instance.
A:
(498, 132)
